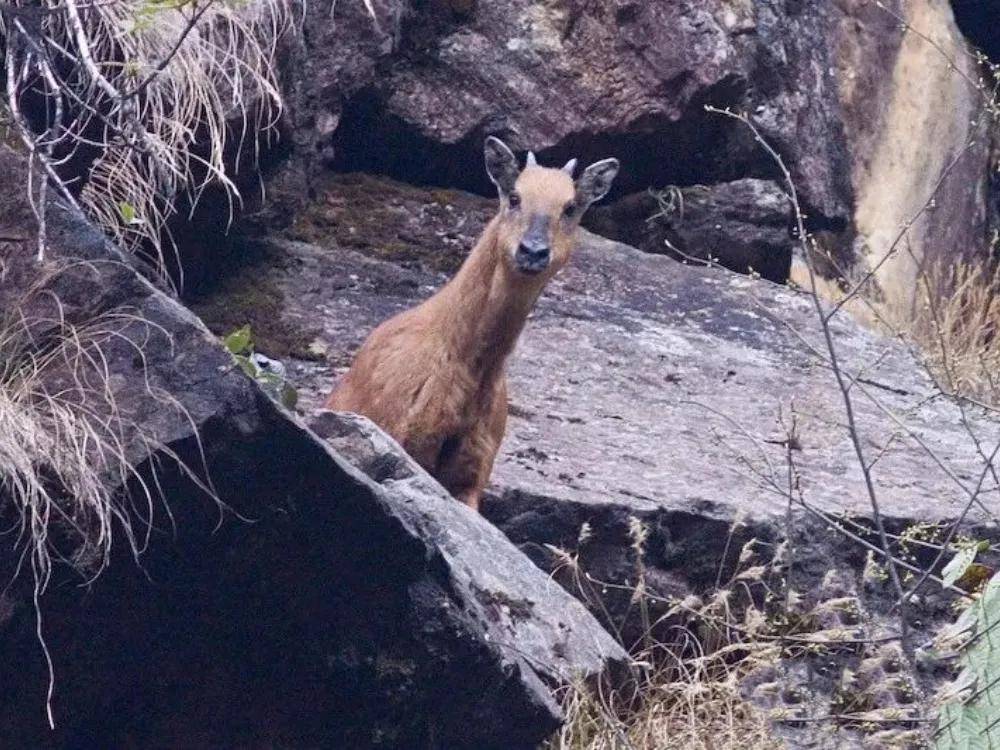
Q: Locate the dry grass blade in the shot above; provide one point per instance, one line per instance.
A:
(689, 661)
(67, 449)
(695, 705)
(218, 92)
(164, 97)
(956, 322)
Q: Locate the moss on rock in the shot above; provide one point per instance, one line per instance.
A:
(252, 298)
(430, 228)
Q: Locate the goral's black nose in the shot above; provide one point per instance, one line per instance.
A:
(533, 255)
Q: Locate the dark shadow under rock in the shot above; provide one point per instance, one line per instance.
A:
(743, 225)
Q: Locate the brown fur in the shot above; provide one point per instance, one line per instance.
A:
(433, 376)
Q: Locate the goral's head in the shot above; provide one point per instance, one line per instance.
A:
(541, 207)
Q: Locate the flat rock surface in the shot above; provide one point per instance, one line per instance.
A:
(639, 381)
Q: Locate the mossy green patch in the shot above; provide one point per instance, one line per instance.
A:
(249, 298)
(433, 228)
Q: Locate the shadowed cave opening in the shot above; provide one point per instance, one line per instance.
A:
(698, 148)
(694, 150)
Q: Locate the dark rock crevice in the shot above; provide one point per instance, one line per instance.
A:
(977, 20)
(207, 232)
(744, 225)
(700, 152)
(699, 147)
(371, 139)
(688, 149)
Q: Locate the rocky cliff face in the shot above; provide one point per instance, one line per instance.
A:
(868, 117)
(345, 600)
(930, 147)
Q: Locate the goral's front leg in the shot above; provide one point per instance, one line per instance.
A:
(467, 470)
(471, 497)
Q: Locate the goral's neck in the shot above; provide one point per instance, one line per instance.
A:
(485, 306)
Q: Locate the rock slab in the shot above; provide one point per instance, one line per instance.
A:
(638, 381)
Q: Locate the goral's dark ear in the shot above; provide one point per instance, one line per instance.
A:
(595, 182)
(501, 165)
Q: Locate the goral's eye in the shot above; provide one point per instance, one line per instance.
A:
(569, 210)
(514, 200)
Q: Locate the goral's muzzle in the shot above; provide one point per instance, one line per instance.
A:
(534, 254)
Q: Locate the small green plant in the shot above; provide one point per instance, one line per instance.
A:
(268, 372)
(970, 704)
(963, 565)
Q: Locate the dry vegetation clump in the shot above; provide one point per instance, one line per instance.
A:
(955, 322)
(66, 447)
(691, 702)
(744, 664)
(162, 99)
(951, 323)
(131, 109)
(217, 96)
(61, 442)
(689, 660)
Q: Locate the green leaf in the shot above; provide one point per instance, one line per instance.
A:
(247, 365)
(128, 213)
(239, 341)
(969, 718)
(269, 378)
(960, 563)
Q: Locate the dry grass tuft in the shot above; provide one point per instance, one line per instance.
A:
(689, 658)
(695, 704)
(161, 97)
(952, 322)
(955, 322)
(148, 102)
(217, 96)
(66, 447)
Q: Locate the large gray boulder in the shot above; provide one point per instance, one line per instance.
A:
(634, 371)
(307, 604)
